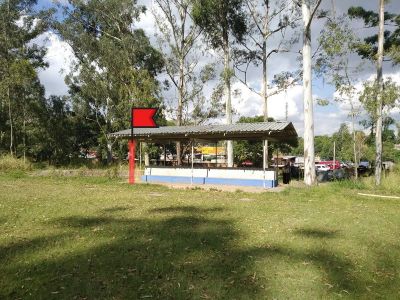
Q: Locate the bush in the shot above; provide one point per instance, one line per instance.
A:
(350, 184)
(10, 163)
(113, 171)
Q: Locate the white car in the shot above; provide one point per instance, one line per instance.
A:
(319, 167)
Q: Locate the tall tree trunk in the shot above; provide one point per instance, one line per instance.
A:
(181, 88)
(378, 132)
(11, 122)
(354, 145)
(265, 77)
(265, 96)
(24, 135)
(309, 156)
(227, 92)
(180, 109)
(109, 152)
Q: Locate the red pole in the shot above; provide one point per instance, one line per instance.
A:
(131, 145)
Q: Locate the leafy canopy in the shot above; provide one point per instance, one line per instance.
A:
(369, 48)
(219, 19)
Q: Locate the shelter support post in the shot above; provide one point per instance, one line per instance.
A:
(165, 155)
(216, 154)
(192, 161)
(140, 156)
(264, 161)
(276, 162)
(266, 153)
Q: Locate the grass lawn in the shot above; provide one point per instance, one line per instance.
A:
(95, 238)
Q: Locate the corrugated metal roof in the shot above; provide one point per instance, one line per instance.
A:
(264, 130)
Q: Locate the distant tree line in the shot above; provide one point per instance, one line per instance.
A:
(116, 66)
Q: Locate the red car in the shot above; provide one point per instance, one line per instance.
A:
(333, 165)
(247, 163)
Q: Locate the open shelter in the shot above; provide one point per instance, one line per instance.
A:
(264, 131)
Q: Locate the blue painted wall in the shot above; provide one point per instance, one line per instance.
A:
(207, 180)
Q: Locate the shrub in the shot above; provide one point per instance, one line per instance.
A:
(10, 163)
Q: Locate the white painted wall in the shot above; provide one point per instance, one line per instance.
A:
(212, 173)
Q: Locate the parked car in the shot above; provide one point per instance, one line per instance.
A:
(362, 169)
(344, 165)
(320, 167)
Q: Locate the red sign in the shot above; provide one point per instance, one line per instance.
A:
(140, 118)
(143, 117)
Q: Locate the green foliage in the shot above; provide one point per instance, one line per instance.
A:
(337, 42)
(219, 19)
(249, 150)
(253, 150)
(390, 96)
(116, 65)
(21, 94)
(368, 49)
(178, 40)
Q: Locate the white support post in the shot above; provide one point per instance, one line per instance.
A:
(140, 156)
(192, 161)
(264, 162)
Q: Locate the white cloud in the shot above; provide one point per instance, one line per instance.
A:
(59, 57)
(250, 104)
(147, 21)
(345, 107)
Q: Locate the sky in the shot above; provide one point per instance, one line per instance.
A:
(327, 118)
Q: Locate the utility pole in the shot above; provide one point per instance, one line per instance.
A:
(334, 155)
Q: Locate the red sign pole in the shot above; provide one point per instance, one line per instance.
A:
(132, 145)
(140, 118)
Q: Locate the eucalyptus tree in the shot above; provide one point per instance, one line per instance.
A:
(380, 46)
(309, 152)
(268, 24)
(390, 96)
(379, 98)
(368, 47)
(115, 66)
(178, 41)
(338, 42)
(223, 23)
(20, 59)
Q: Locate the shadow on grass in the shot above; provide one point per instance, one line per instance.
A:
(178, 252)
(117, 209)
(179, 256)
(316, 233)
(185, 209)
(27, 246)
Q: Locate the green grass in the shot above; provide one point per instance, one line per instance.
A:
(98, 238)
